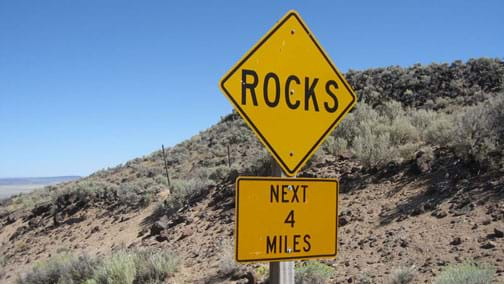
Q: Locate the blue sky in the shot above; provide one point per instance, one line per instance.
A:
(85, 85)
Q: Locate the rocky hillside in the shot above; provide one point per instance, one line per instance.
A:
(420, 162)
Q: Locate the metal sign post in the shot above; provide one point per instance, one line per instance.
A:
(281, 272)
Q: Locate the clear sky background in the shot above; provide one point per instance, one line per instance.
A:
(86, 85)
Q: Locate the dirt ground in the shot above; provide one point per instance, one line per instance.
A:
(388, 220)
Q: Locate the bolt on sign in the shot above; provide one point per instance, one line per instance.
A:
(289, 92)
(280, 219)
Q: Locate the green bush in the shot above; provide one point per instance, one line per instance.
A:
(313, 272)
(373, 149)
(335, 145)
(63, 268)
(388, 132)
(117, 269)
(122, 267)
(227, 263)
(440, 131)
(422, 118)
(181, 192)
(219, 173)
(402, 131)
(467, 273)
(378, 136)
(27, 201)
(402, 275)
(479, 132)
(154, 267)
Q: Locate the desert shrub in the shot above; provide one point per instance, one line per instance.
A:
(227, 263)
(313, 272)
(392, 109)
(335, 145)
(402, 131)
(364, 278)
(219, 173)
(161, 180)
(85, 190)
(201, 173)
(63, 268)
(408, 151)
(377, 136)
(373, 149)
(153, 266)
(467, 273)
(181, 192)
(262, 272)
(422, 118)
(402, 275)
(138, 193)
(117, 269)
(440, 131)
(420, 85)
(262, 165)
(122, 267)
(479, 131)
(128, 195)
(27, 201)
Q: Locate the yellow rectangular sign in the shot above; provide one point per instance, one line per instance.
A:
(280, 218)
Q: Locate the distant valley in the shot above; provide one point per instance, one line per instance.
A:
(11, 186)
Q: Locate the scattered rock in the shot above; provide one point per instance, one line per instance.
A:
(486, 222)
(439, 213)
(41, 209)
(3, 213)
(488, 245)
(402, 218)
(423, 162)
(124, 219)
(163, 236)
(20, 231)
(343, 221)
(498, 233)
(58, 218)
(417, 211)
(95, 229)
(456, 241)
(10, 219)
(160, 225)
(142, 232)
(157, 228)
(251, 279)
(35, 222)
(186, 233)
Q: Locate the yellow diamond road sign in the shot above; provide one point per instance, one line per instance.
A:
(289, 92)
(279, 218)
